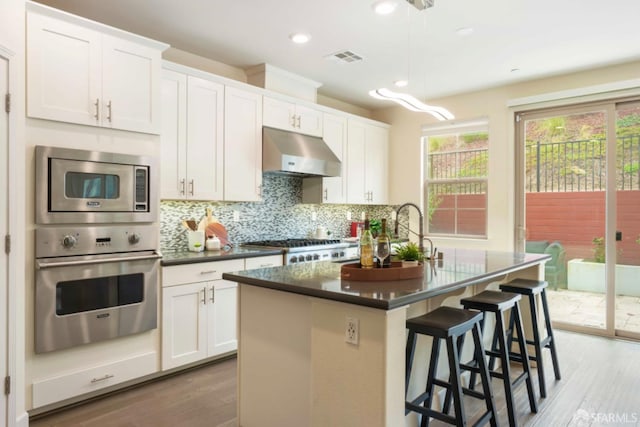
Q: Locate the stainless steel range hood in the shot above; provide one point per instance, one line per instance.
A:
(297, 154)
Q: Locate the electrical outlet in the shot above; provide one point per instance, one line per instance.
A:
(236, 216)
(314, 216)
(352, 332)
(349, 216)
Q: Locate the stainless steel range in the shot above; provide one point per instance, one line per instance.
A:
(309, 250)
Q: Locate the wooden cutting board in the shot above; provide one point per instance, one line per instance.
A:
(219, 230)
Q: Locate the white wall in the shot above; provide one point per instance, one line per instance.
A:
(12, 40)
(405, 153)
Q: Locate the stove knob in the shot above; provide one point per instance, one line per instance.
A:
(69, 241)
(341, 254)
(301, 258)
(316, 257)
(134, 238)
(293, 260)
(309, 258)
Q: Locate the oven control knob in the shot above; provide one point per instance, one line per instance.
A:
(316, 257)
(293, 260)
(308, 258)
(134, 238)
(69, 241)
(301, 258)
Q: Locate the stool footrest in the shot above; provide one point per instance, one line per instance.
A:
(430, 413)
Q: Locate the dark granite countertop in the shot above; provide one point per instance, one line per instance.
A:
(186, 257)
(459, 268)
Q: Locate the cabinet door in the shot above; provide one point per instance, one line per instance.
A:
(242, 145)
(356, 188)
(173, 138)
(376, 161)
(335, 135)
(130, 86)
(308, 121)
(205, 103)
(222, 317)
(279, 114)
(184, 322)
(63, 71)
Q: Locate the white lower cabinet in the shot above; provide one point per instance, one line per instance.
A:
(199, 309)
(198, 312)
(60, 387)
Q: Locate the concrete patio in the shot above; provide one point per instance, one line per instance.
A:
(588, 309)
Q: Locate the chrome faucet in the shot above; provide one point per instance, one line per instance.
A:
(421, 229)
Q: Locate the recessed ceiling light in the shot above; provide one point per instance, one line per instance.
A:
(401, 83)
(300, 38)
(464, 31)
(384, 7)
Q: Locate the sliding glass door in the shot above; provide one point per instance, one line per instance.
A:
(579, 203)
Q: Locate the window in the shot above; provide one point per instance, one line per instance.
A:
(455, 178)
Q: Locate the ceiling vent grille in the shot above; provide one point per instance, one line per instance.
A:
(345, 56)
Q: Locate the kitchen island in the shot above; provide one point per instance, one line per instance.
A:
(295, 366)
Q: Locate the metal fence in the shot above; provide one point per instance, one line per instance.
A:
(459, 172)
(581, 165)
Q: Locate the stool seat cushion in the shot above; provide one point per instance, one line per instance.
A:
(444, 322)
(524, 286)
(491, 301)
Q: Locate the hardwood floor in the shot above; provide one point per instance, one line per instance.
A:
(599, 387)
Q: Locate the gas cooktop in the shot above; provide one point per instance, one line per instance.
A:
(301, 244)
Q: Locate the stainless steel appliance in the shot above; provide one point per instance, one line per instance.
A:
(297, 154)
(297, 251)
(94, 283)
(79, 186)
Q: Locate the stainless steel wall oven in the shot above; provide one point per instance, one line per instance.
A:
(94, 283)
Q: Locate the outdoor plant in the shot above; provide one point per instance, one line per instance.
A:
(598, 249)
(409, 252)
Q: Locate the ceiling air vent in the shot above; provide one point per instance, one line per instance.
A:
(345, 56)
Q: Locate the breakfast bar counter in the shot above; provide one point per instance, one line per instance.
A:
(315, 350)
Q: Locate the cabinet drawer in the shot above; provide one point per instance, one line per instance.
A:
(199, 272)
(73, 384)
(262, 262)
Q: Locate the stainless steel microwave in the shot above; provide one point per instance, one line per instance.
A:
(88, 187)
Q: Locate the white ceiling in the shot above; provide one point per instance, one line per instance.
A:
(539, 38)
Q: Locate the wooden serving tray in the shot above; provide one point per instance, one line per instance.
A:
(395, 272)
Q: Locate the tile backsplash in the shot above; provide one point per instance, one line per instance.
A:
(280, 215)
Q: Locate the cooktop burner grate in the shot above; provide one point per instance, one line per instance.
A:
(293, 243)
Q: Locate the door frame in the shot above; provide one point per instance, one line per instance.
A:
(605, 102)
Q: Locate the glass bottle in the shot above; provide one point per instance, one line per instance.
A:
(366, 246)
(383, 248)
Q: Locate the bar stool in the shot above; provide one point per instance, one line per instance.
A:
(449, 324)
(531, 288)
(497, 303)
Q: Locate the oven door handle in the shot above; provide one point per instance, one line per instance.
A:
(49, 264)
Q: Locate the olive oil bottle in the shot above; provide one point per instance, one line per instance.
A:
(366, 246)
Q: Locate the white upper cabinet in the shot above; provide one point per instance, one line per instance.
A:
(367, 163)
(79, 74)
(192, 149)
(242, 145)
(286, 115)
(333, 189)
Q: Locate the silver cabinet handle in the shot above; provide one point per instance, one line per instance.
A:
(208, 271)
(298, 121)
(97, 105)
(293, 121)
(326, 194)
(204, 295)
(213, 295)
(109, 110)
(183, 184)
(260, 190)
(97, 380)
(192, 186)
